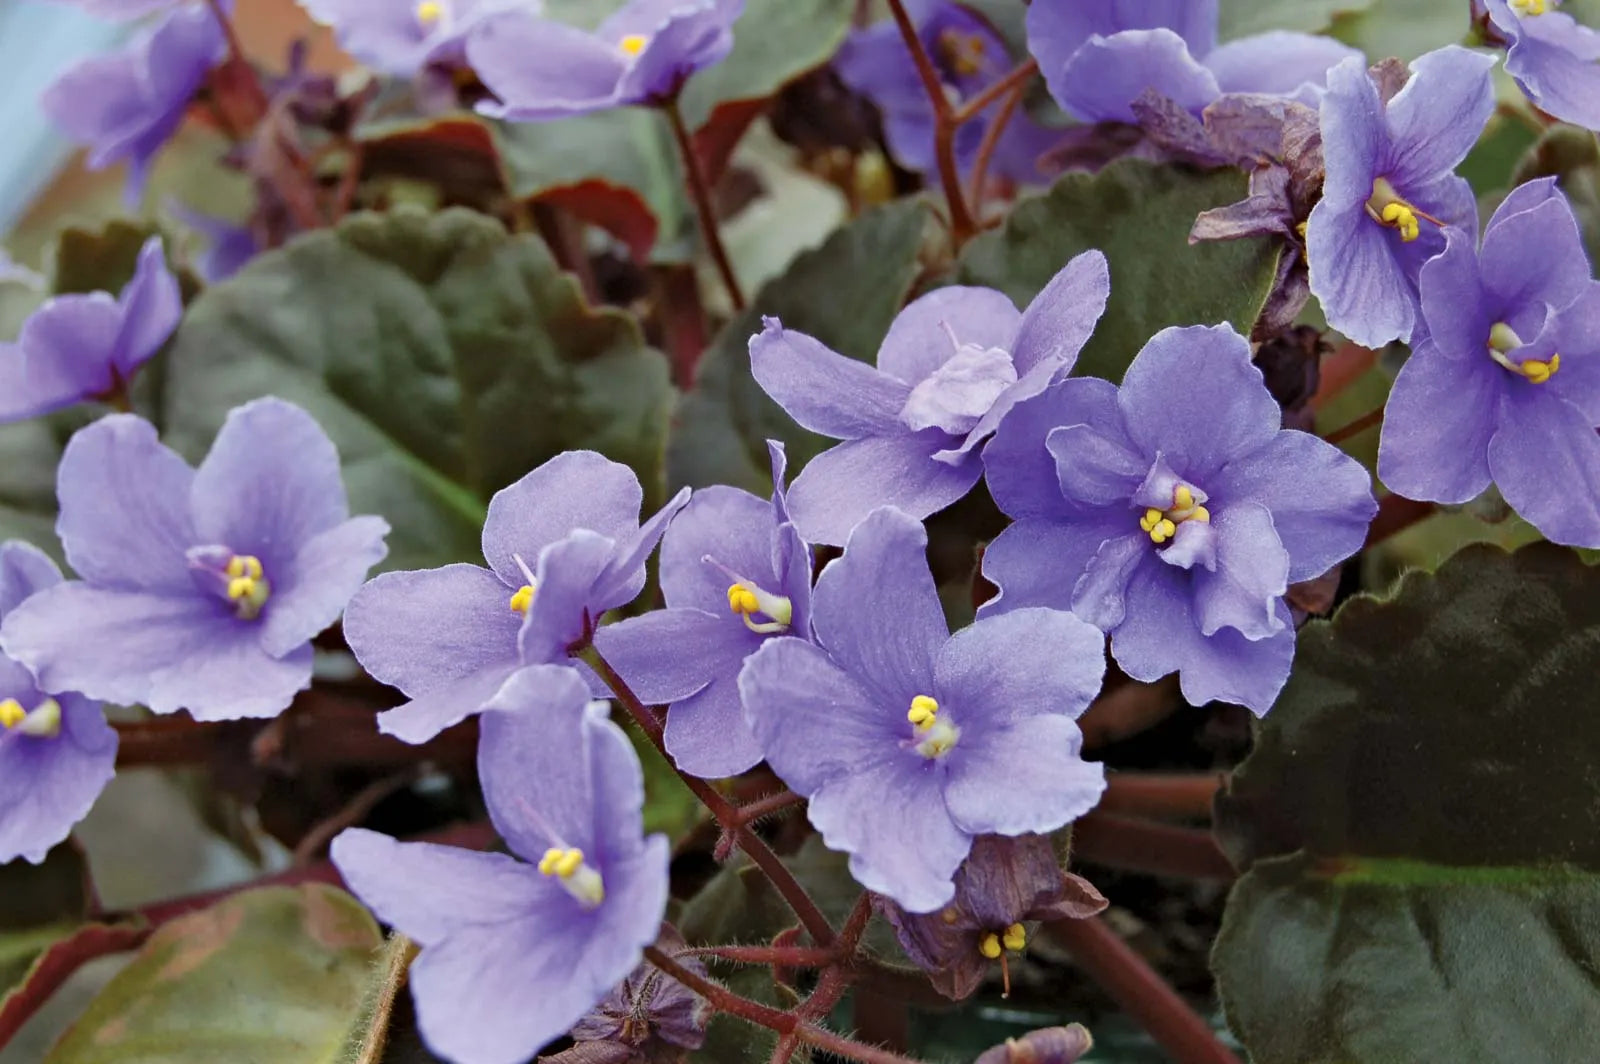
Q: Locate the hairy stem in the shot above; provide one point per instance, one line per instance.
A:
(700, 191)
(750, 812)
(945, 124)
(850, 1049)
(721, 998)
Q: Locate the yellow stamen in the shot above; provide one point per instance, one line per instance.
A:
(522, 598)
(633, 43)
(1503, 340)
(1539, 372)
(963, 53)
(429, 12)
(11, 713)
(742, 600)
(924, 711)
(248, 588)
(241, 565)
(577, 878)
(1162, 525)
(990, 947)
(44, 722)
(547, 863)
(1388, 208)
(1401, 217)
(1529, 7)
(1015, 938)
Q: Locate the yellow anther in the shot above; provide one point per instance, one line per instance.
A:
(1162, 525)
(1015, 938)
(522, 598)
(429, 12)
(241, 587)
(1503, 340)
(742, 600)
(1300, 230)
(575, 877)
(1164, 530)
(1530, 7)
(1401, 217)
(1150, 520)
(547, 863)
(1539, 372)
(11, 713)
(963, 53)
(563, 864)
(924, 711)
(950, 915)
(990, 947)
(633, 43)
(244, 565)
(1200, 514)
(1182, 498)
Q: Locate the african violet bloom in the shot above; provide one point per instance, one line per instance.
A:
(1390, 187)
(1173, 513)
(1099, 56)
(403, 37)
(1553, 59)
(1003, 884)
(564, 545)
(78, 347)
(1047, 1045)
(910, 742)
(953, 363)
(199, 589)
(125, 105)
(56, 752)
(641, 54)
(969, 57)
(734, 573)
(1503, 383)
(514, 953)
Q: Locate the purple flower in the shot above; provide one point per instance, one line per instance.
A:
(1047, 1045)
(564, 545)
(125, 105)
(953, 363)
(56, 753)
(200, 589)
(1099, 56)
(403, 37)
(1554, 60)
(229, 246)
(908, 741)
(78, 347)
(734, 573)
(1503, 382)
(1390, 187)
(969, 56)
(642, 54)
(651, 1018)
(514, 954)
(1173, 513)
(1003, 884)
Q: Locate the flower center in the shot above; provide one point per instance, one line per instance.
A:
(934, 734)
(1503, 340)
(41, 722)
(1163, 524)
(964, 54)
(429, 12)
(1013, 938)
(747, 600)
(248, 589)
(521, 599)
(632, 44)
(1529, 7)
(1388, 208)
(567, 867)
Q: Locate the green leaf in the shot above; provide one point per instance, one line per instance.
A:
(29, 453)
(845, 293)
(774, 42)
(99, 260)
(1420, 821)
(275, 974)
(1243, 18)
(1403, 28)
(444, 357)
(1140, 215)
(368, 1038)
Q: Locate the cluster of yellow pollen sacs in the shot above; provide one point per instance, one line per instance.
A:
(1163, 524)
(43, 723)
(1388, 208)
(247, 585)
(522, 598)
(1014, 938)
(1503, 340)
(742, 600)
(1530, 7)
(937, 734)
(429, 12)
(632, 44)
(562, 864)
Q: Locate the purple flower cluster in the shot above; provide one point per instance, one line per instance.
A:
(1555, 60)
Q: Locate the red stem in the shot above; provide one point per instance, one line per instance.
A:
(1356, 427)
(721, 998)
(986, 148)
(1161, 796)
(1140, 990)
(850, 1049)
(1396, 513)
(700, 191)
(750, 812)
(1016, 82)
(727, 815)
(777, 956)
(945, 123)
(1141, 846)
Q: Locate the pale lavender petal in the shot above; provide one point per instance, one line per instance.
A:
(729, 525)
(891, 820)
(164, 652)
(792, 694)
(1554, 62)
(1250, 576)
(1062, 317)
(49, 784)
(1039, 563)
(1279, 63)
(422, 631)
(1575, 333)
(1193, 547)
(706, 733)
(1536, 254)
(1353, 138)
(1435, 120)
(388, 37)
(877, 612)
(1357, 276)
(1047, 784)
(542, 69)
(269, 485)
(624, 576)
(1193, 396)
(1103, 78)
(840, 486)
(1455, 307)
(927, 332)
(1100, 594)
(124, 496)
(1161, 636)
(444, 704)
(1019, 468)
(1025, 663)
(1066, 26)
(64, 355)
(24, 569)
(822, 390)
(566, 575)
(691, 38)
(1319, 497)
(1095, 467)
(667, 655)
(957, 394)
(309, 594)
(151, 305)
(1545, 456)
(573, 490)
(1438, 421)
